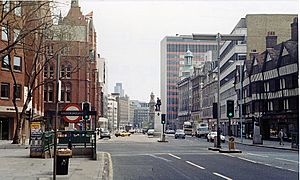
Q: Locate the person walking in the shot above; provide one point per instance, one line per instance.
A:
(280, 135)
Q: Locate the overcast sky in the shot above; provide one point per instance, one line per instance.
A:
(129, 32)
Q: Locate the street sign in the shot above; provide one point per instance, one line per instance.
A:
(71, 116)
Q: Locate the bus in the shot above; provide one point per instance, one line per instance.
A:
(188, 128)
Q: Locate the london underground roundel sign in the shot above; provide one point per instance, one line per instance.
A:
(72, 107)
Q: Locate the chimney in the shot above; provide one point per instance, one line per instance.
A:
(253, 53)
(271, 39)
(294, 29)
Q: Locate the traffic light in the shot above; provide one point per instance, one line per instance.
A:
(230, 108)
(163, 118)
(86, 109)
(215, 110)
(27, 115)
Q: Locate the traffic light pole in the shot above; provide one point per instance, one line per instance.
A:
(219, 105)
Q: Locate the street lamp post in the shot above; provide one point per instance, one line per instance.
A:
(218, 38)
(241, 102)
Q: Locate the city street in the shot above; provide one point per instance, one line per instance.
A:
(140, 157)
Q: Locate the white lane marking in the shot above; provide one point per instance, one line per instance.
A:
(291, 170)
(278, 167)
(157, 157)
(174, 156)
(195, 165)
(222, 176)
(257, 155)
(228, 155)
(267, 164)
(287, 160)
(247, 160)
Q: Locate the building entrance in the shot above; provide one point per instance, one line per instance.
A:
(4, 129)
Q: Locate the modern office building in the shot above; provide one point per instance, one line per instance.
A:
(141, 115)
(123, 111)
(112, 112)
(119, 89)
(173, 49)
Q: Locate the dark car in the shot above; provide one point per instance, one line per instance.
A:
(104, 133)
(179, 134)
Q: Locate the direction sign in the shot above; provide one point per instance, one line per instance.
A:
(73, 117)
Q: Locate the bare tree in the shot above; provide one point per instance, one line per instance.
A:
(30, 29)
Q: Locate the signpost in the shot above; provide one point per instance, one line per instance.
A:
(71, 113)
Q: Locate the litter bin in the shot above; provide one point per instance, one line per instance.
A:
(295, 140)
(231, 144)
(62, 164)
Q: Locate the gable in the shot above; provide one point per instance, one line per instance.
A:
(284, 52)
(268, 58)
(255, 62)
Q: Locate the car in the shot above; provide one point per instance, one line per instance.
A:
(170, 131)
(150, 132)
(144, 130)
(104, 133)
(211, 136)
(132, 131)
(122, 133)
(179, 134)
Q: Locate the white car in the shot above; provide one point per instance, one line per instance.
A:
(150, 132)
(211, 136)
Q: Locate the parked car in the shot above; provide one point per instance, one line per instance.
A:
(170, 131)
(150, 132)
(144, 130)
(179, 134)
(211, 136)
(122, 133)
(104, 133)
(132, 131)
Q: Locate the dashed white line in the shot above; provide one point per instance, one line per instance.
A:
(257, 155)
(228, 155)
(287, 160)
(291, 170)
(247, 160)
(174, 156)
(200, 167)
(222, 176)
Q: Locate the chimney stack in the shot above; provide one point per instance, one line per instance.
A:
(294, 29)
(252, 54)
(271, 39)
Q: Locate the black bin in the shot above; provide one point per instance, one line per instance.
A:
(62, 164)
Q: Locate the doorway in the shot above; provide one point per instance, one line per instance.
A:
(4, 129)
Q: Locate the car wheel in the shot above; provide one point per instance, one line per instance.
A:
(183, 138)
(175, 137)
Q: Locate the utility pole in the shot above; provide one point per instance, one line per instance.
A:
(56, 115)
(241, 102)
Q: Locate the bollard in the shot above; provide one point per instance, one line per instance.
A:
(231, 144)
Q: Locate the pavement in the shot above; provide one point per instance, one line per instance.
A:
(16, 164)
(266, 143)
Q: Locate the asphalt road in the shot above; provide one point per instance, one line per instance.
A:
(140, 157)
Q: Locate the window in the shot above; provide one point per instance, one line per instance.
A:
(69, 71)
(45, 71)
(68, 92)
(282, 83)
(5, 5)
(62, 98)
(286, 104)
(51, 71)
(45, 94)
(4, 33)
(62, 71)
(18, 10)
(5, 62)
(270, 106)
(266, 86)
(50, 49)
(50, 92)
(5, 90)
(17, 63)
(18, 91)
(16, 34)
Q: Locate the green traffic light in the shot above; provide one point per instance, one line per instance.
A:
(230, 114)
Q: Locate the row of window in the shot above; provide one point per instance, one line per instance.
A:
(17, 7)
(65, 93)
(5, 31)
(192, 47)
(5, 90)
(17, 63)
(65, 71)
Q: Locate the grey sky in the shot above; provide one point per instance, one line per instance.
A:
(129, 32)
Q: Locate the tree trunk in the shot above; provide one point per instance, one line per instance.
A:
(16, 139)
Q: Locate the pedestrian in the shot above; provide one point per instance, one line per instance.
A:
(280, 136)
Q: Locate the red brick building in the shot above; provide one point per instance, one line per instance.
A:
(75, 38)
